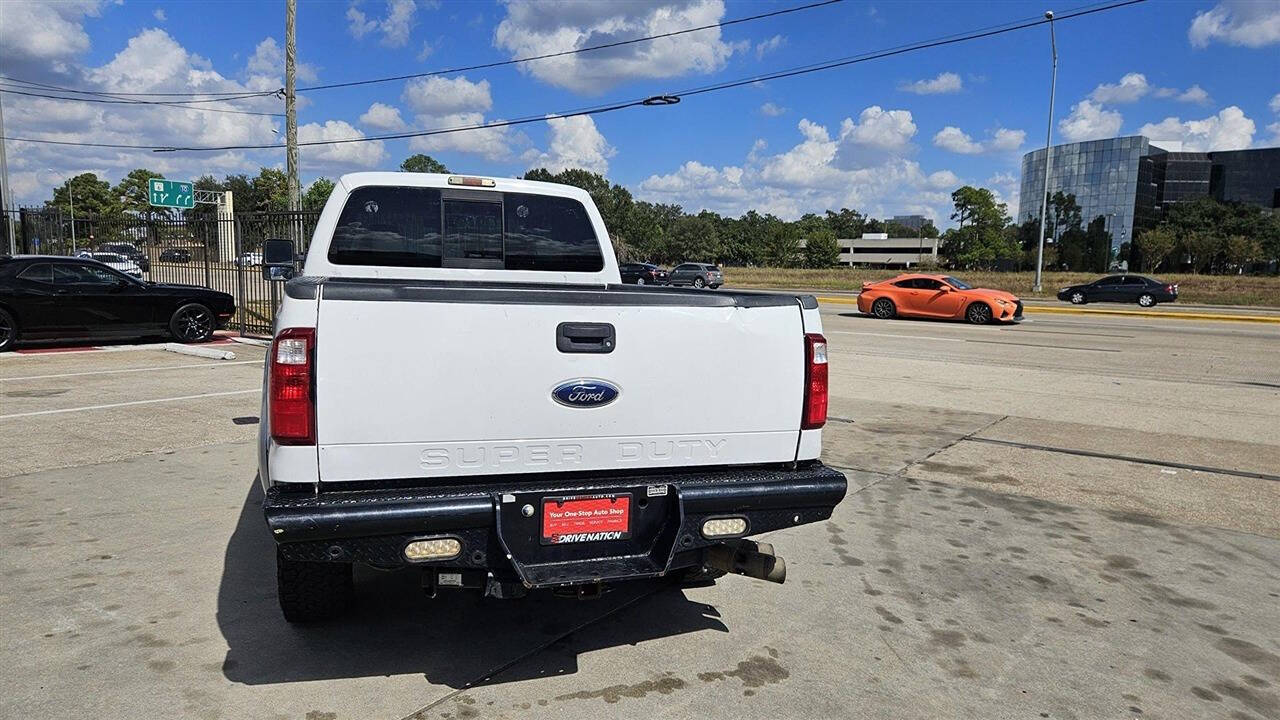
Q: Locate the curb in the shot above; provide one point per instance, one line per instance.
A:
(1026, 308)
(203, 352)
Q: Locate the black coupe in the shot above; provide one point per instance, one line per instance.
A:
(64, 298)
(1138, 289)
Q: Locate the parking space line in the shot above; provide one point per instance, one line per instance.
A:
(131, 370)
(127, 404)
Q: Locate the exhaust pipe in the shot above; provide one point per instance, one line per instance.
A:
(747, 557)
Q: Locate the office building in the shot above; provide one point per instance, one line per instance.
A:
(1129, 182)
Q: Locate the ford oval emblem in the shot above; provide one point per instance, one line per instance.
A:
(585, 393)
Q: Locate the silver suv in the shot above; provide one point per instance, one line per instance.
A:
(698, 275)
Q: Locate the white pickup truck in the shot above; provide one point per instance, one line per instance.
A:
(459, 382)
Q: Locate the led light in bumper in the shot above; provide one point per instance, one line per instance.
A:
(724, 527)
(434, 549)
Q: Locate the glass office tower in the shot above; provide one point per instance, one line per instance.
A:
(1102, 174)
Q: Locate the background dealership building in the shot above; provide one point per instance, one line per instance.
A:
(1129, 181)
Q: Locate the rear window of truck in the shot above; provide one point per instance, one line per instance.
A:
(423, 227)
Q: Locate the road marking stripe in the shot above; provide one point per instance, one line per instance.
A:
(131, 370)
(127, 404)
(894, 335)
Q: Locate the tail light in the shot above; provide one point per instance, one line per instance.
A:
(815, 382)
(292, 399)
(1171, 289)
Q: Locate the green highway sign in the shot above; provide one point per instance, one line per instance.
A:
(170, 193)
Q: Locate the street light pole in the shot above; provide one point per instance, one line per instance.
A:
(290, 107)
(1048, 152)
(72, 198)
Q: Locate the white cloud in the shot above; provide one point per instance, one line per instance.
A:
(1131, 88)
(958, 141)
(886, 129)
(809, 177)
(426, 51)
(1089, 121)
(394, 27)
(1274, 140)
(537, 28)
(1194, 94)
(32, 32)
(575, 143)
(1006, 139)
(441, 103)
(767, 46)
(152, 61)
(947, 82)
(772, 109)
(443, 96)
(159, 14)
(491, 143)
(352, 155)
(383, 117)
(1275, 104)
(1246, 23)
(267, 64)
(1230, 129)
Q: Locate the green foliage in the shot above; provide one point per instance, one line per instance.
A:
(981, 240)
(92, 198)
(1154, 246)
(821, 249)
(317, 193)
(423, 164)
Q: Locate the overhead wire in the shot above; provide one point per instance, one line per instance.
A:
(661, 99)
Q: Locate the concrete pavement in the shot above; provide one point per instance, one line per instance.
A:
(962, 577)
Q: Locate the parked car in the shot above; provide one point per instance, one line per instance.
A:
(937, 296)
(117, 262)
(698, 275)
(175, 255)
(1140, 289)
(559, 469)
(642, 274)
(129, 251)
(249, 259)
(46, 297)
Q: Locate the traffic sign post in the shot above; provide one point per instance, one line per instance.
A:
(170, 193)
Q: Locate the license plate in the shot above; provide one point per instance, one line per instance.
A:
(586, 518)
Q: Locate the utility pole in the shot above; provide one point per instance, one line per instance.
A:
(72, 198)
(1048, 152)
(7, 205)
(291, 112)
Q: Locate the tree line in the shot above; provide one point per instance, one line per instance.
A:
(1200, 235)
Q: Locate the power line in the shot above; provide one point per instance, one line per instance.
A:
(466, 68)
(153, 103)
(214, 96)
(575, 51)
(665, 99)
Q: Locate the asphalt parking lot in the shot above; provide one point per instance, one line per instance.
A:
(1076, 517)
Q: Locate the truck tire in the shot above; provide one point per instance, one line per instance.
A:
(313, 591)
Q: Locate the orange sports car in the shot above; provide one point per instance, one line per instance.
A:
(937, 296)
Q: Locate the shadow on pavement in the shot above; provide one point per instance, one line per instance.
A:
(456, 639)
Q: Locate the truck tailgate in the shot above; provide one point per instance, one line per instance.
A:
(422, 382)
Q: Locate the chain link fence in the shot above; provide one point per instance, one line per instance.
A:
(218, 252)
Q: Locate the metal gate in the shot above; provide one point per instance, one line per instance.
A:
(218, 252)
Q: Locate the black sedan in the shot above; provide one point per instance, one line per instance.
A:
(63, 298)
(642, 274)
(1138, 289)
(175, 255)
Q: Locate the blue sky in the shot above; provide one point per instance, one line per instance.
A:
(889, 136)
